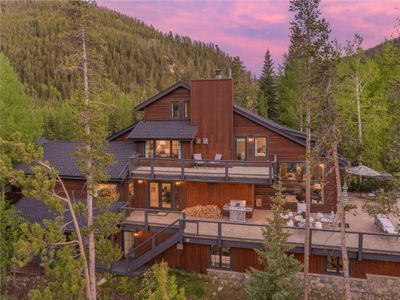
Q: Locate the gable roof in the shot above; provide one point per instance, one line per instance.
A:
(171, 130)
(121, 132)
(291, 134)
(179, 84)
(61, 156)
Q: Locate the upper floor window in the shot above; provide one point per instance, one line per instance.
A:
(240, 148)
(260, 147)
(163, 149)
(187, 109)
(174, 110)
(220, 257)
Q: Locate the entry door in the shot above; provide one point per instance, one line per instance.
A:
(160, 195)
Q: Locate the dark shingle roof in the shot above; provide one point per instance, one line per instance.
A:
(163, 93)
(178, 130)
(121, 132)
(61, 156)
(35, 211)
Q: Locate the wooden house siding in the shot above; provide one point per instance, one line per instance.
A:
(284, 148)
(161, 109)
(212, 112)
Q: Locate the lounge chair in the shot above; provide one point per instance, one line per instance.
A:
(198, 160)
(217, 158)
(318, 225)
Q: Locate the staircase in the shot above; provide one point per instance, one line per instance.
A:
(147, 250)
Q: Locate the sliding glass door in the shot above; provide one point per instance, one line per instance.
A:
(160, 195)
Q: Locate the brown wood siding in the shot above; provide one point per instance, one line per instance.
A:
(361, 268)
(202, 193)
(140, 195)
(212, 111)
(284, 148)
(160, 109)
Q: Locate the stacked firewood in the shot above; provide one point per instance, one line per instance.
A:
(204, 211)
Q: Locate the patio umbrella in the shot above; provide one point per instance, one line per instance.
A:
(363, 171)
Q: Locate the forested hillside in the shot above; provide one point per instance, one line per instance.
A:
(138, 59)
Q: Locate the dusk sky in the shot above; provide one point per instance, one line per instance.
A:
(248, 28)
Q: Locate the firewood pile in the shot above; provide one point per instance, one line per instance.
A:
(204, 211)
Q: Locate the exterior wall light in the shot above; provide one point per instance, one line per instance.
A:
(140, 181)
(178, 183)
(250, 138)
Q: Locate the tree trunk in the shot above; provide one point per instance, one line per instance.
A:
(89, 176)
(308, 200)
(342, 215)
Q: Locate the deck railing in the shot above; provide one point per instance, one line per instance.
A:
(257, 171)
(239, 233)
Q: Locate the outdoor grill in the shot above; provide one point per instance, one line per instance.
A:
(237, 210)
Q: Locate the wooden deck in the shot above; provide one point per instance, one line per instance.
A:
(205, 170)
(361, 227)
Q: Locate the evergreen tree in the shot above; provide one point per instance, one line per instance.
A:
(278, 278)
(159, 285)
(267, 105)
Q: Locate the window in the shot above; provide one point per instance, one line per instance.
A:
(129, 242)
(107, 190)
(149, 151)
(187, 109)
(260, 147)
(293, 178)
(174, 110)
(334, 265)
(220, 257)
(161, 196)
(163, 149)
(240, 148)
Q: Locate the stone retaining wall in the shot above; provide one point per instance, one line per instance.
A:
(373, 287)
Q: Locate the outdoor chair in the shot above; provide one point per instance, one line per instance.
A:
(318, 225)
(198, 160)
(329, 219)
(290, 223)
(217, 158)
(301, 207)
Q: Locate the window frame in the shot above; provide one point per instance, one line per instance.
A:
(172, 103)
(154, 155)
(186, 105)
(266, 147)
(245, 148)
(219, 267)
(339, 262)
(159, 184)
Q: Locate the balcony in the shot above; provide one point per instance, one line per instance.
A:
(261, 172)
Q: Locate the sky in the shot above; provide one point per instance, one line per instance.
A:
(248, 28)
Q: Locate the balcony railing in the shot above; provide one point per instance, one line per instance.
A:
(202, 170)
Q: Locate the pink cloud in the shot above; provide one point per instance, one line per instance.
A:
(249, 28)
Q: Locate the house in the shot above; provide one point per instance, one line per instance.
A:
(194, 146)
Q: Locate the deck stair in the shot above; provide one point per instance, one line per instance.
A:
(134, 261)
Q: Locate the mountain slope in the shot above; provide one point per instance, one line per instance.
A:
(139, 59)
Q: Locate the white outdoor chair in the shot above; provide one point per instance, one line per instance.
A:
(318, 225)
(198, 159)
(301, 207)
(290, 223)
(218, 156)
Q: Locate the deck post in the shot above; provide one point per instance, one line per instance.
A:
(180, 231)
(152, 168)
(182, 169)
(219, 234)
(360, 245)
(226, 171)
(146, 220)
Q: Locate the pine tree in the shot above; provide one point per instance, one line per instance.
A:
(267, 105)
(278, 278)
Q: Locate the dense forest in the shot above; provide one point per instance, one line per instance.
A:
(139, 61)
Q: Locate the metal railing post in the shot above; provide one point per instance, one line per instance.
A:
(152, 175)
(219, 234)
(146, 220)
(360, 246)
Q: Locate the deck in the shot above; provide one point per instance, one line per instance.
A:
(204, 170)
(362, 235)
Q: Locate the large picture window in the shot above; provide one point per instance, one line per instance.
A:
(163, 149)
(260, 147)
(220, 257)
(293, 176)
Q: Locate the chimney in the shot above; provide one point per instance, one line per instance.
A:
(218, 74)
